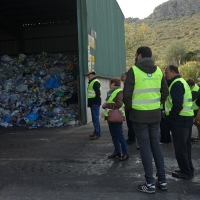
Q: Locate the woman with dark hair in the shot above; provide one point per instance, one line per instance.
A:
(115, 100)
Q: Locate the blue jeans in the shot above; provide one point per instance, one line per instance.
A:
(118, 139)
(148, 139)
(95, 108)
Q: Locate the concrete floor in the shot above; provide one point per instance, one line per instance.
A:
(62, 163)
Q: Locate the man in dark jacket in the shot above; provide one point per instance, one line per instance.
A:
(144, 90)
(180, 120)
(94, 102)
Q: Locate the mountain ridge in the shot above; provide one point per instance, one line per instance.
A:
(175, 8)
(170, 10)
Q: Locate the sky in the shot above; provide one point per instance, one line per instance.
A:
(138, 8)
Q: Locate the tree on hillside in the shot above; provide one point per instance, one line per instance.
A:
(129, 38)
(131, 20)
(136, 36)
(175, 52)
(190, 70)
(188, 56)
(197, 55)
(161, 64)
(192, 56)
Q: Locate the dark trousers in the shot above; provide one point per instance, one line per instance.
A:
(148, 139)
(182, 147)
(198, 128)
(165, 136)
(118, 139)
(95, 109)
(131, 133)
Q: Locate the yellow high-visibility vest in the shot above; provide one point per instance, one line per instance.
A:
(187, 100)
(110, 100)
(146, 94)
(90, 90)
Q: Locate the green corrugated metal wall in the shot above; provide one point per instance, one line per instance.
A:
(106, 18)
(83, 60)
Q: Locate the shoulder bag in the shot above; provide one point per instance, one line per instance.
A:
(115, 116)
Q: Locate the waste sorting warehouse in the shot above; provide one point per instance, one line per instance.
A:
(46, 48)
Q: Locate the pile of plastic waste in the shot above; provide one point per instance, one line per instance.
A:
(39, 90)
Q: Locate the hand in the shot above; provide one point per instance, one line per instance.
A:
(104, 106)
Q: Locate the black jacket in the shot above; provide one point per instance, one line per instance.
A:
(97, 99)
(174, 119)
(143, 116)
(198, 101)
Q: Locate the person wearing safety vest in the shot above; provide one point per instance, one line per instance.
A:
(94, 102)
(115, 100)
(145, 89)
(195, 93)
(179, 112)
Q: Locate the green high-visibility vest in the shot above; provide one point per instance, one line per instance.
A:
(90, 90)
(146, 94)
(187, 100)
(194, 105)
(110, 100)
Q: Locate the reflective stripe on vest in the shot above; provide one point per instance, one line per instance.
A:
(187, 100)
(146, 94)
(110, 100)
(91, 92)
(194, 105)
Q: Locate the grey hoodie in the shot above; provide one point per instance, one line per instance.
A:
(143, 116)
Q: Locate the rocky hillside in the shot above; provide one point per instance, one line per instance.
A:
(175, 8)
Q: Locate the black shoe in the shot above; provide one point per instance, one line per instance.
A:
(95, 137)
(128, 141)
(181, 175)
(124, 157)
(115, 154)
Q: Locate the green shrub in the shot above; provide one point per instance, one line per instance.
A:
(190, 70)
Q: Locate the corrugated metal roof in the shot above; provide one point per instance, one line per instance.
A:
(15, 13)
